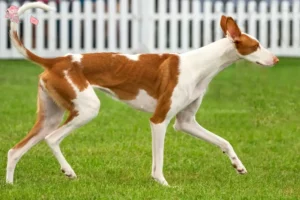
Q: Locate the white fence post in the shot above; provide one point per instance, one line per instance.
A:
(218, 13)
(88, 34)
(51, 29)
(274, 28)
(241, 15)
(230, 9)
(285, 27)
(207, 22)
(100, 30)
(13, 51)
(136, 40)
(263, 26)
(296, 28)
(162, 25)
(64, 33)
(252, 18)
(112, 26)
(174, 26)
(3, 31)
(123, 25)
(184, 26)
(196, 24)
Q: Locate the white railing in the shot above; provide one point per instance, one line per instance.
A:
(160, 25)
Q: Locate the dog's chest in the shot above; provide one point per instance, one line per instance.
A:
(143, 102)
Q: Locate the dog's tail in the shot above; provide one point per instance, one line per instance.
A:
(45, 62)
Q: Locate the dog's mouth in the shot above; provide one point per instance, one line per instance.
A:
(263, 64)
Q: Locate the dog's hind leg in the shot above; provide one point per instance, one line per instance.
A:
(49, 116)
(79, 98)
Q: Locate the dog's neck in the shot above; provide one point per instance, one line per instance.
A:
(211, 59)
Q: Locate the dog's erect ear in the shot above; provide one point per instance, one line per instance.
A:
(223, 24)
(232, 29)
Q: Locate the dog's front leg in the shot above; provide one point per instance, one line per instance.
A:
(194, 129)
(186, 122)
(158, 139)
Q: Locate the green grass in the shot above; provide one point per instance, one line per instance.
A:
(256, 109)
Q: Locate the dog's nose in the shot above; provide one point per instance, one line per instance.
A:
(275, 60)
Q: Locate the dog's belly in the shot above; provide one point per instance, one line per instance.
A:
(143, 102)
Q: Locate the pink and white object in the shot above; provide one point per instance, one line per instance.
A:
(12, 14)
(34, 20)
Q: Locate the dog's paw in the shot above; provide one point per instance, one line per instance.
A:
(9, 182)
(69, 172)
(161, 180)
(240, 168)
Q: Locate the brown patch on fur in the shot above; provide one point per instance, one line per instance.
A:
(223, 24)
(154, 73)
(246, 45)
(126, 77)
(233, 29)
(59, 89)
(170, 81)
(57, 85)
(37, 126)
(77, 77)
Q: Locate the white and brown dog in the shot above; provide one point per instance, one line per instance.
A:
(167, 85)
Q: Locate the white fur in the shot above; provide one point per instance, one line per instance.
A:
(81, 104)
(76, 58)
(143, 101)
(21, 49)
(262, 56)
(158, 137)
(134, 57)
(40, 5)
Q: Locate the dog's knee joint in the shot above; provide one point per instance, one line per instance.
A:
(182, 124)
(179, 126)
(88, 112)
(225, 146)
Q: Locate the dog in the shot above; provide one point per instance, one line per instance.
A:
(166, 85)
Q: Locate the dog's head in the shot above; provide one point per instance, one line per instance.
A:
(247, 46)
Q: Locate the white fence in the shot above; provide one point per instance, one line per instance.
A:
(160, 25)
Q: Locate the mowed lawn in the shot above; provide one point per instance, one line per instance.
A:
(256, 109)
